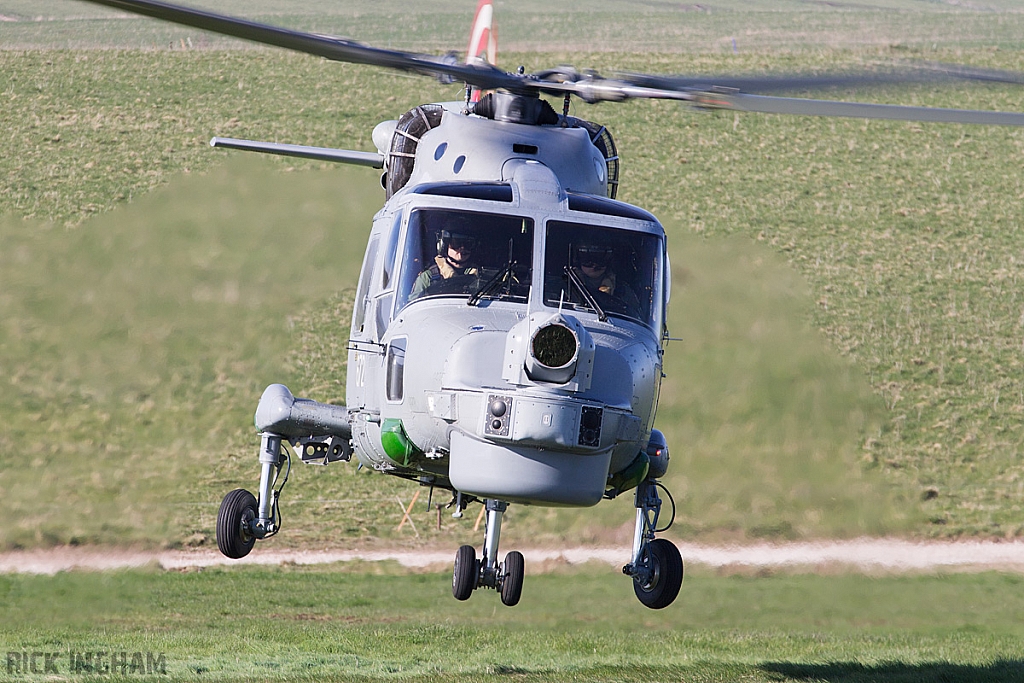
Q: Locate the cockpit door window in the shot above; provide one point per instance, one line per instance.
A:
(391, 251)
(363, 288)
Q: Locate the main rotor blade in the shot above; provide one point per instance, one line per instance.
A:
(594, 88)
(478, 75)
(766, 104)
(786, 82)
(898, 74)
(971, 73)
(607, 90)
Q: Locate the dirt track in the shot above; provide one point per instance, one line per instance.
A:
(868, 555)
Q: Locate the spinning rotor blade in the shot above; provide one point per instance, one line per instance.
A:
(725, 93)
(721, 94)
(901, 73)
(766, 84)
(593, 88)
(478, 75)
(792, 105)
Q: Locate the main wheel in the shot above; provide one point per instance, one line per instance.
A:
(666, 567)
(467, 570)
(512, 584)
(234, 524)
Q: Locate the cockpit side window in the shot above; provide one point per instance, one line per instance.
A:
(391, 251)
(454, 253)
(363, 289)
(613, 271)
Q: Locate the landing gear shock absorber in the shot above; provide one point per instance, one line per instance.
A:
(656, 566)
(244, 518)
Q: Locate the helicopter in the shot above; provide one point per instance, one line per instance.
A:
(509, 322)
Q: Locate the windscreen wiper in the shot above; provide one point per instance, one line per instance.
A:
(503, 275)
(587, 294)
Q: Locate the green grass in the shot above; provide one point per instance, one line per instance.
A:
(845, 291)
(756, 26)
(135, 349)
(337, 623)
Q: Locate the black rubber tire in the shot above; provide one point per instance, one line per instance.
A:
(667, 575)
(512, 583)
(466, 572)
(237, 511)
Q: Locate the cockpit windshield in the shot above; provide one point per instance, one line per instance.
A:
(452, 253)
(604, 270)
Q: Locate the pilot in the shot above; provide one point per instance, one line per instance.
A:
(455, 256)
(593, 265)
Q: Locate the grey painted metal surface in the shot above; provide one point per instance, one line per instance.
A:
(345, 156)
(279, 412)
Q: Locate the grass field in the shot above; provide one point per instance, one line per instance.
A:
(721, 26)
(845, 290)
(371, 623)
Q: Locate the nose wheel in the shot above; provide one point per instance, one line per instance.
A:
(466, 574)
(471, 573)
(514, 569)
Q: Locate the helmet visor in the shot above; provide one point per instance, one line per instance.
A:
(593, 256)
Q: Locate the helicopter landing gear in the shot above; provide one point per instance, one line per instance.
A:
(242, 518)
(656, 566)
(471, 573)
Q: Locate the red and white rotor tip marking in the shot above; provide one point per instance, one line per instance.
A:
(483, 39)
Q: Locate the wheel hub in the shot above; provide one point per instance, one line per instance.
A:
(245, 525)
(649, 575)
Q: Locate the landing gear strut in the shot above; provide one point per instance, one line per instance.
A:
(656, 566)
(471, 573)
(242, 518)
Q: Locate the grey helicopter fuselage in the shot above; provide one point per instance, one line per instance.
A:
(440, 386)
